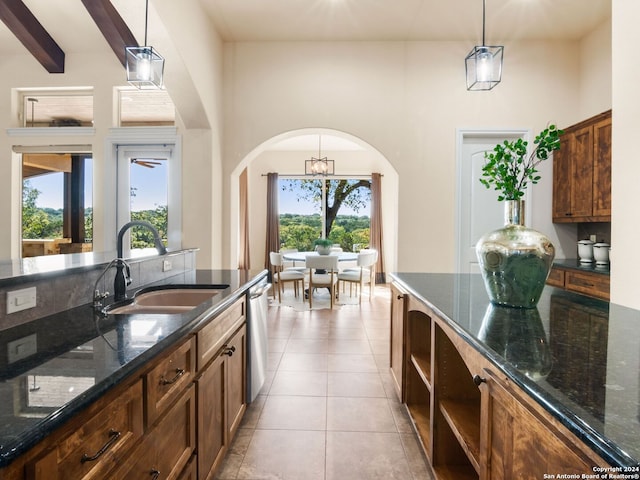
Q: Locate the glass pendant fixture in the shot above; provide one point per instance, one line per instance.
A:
(145, 66)
(483, 64)
(319, 166)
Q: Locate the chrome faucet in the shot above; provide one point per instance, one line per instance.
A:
(123, 272)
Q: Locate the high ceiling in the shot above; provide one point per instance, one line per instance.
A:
(333, 20)
(324, 20)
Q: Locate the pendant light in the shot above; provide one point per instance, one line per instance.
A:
(145, 66)
(484, 63)
(321, 165)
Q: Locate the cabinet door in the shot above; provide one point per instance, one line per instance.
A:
(168, 448)
(602, 168)
(236, 379)
(398, 327)
(582, 173)
(561, 210)
(516, 442)
(212, 408)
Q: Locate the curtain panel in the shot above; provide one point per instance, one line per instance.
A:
(243, 256)
(375, 235)
(273, 221)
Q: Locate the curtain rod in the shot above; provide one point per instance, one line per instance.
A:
(313, 177)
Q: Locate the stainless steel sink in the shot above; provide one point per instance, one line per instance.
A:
(166, 300)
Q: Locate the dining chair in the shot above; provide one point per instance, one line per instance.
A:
(280, 276)
(291, 264)
(328, 279)
(363, 274)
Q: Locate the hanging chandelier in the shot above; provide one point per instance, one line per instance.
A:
(145, 66)
(319, 166)
(484, 63)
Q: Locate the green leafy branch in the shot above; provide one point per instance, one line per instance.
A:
(509, 169)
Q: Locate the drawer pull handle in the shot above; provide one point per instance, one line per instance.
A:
(113, 438)
(400, 297)
(478, 380)
(155, 474)
(229, 351)
(179, 373)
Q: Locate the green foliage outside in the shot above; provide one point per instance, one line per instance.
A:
(300, 231)
(40, 223)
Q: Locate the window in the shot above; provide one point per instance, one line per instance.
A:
(145, 108)
(57, 108)
(339, 207)
(148, 183)
(57, 213)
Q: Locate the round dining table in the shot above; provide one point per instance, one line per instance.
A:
(301, 256)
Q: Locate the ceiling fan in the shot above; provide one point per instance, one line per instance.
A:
(146, 162)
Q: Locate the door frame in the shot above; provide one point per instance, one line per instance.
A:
(461, 135)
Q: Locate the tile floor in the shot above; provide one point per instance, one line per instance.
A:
(328, 410)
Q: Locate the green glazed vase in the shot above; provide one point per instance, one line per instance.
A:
(515, 261)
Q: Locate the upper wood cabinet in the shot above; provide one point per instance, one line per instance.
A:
(582, 172)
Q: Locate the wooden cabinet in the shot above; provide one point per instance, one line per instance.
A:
(221, 389)
(397, 357)
(582, 172)
(519, 442)
(95, 443)
(472, 422)
(167, 380)
(168, 447)
(593, 284)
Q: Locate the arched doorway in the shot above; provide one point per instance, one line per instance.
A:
(286, 155)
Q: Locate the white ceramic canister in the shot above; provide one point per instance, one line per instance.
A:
(585, 251)
(601, 253)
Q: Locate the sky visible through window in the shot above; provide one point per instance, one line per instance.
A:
(292, 202)
(51, 188)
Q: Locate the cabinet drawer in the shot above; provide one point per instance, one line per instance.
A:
(98, 445)
(169, 378)
(556, 278)
(592, 284)
(212, 336)
(168, 447)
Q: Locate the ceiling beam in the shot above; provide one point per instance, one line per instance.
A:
(26, 27)
(112, 26)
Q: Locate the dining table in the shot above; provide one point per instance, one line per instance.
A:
(301, 256)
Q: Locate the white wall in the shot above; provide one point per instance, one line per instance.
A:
(406, 99)
(625, 175)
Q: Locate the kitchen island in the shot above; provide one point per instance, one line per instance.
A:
(516, 393)
(136, 370)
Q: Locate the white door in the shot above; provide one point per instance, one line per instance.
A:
(479, 211)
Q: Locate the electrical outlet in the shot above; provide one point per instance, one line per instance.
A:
(22, 348)
(592, 238)
(18, 300)
(166, 265)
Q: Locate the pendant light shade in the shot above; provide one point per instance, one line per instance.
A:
(319, 166)
(145, 66)
(483, 64)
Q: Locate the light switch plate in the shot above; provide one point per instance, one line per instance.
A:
(22, 348)
(18, 300)
(166, 265)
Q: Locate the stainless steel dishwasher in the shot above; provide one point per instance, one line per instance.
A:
(257, 338)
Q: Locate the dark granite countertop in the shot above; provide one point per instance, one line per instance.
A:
(82, 354)
(576, 356)
(576, 264)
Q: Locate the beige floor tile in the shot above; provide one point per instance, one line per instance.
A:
(352, 347)
(304, 362)
(349, 384)
(366, 456)
(348, 333)
(294, 413)
(307, 345)
(357, 414)
(351, 363)
(284, 455)
(299, 383)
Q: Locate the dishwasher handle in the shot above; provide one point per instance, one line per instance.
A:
(259, 291)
